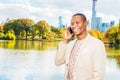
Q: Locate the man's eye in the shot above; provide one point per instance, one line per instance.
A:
(77, 22)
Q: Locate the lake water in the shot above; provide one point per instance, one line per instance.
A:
(28, 60)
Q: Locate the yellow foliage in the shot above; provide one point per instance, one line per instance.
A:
(1, 28)
(97, 34)
(10, 35)
(11, 44)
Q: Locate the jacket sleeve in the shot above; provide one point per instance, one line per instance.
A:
(99, 58)
(60, 55)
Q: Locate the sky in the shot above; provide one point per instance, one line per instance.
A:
(50, 10)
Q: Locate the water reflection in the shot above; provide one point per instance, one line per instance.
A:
(118, 61)
(35, 65)
(27, 45)
(112, 71)
(29, 60)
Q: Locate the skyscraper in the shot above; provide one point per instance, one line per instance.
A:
(95, 21)
(60, 23)
(94, 9)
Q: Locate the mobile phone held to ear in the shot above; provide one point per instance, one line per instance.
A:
(70, 30)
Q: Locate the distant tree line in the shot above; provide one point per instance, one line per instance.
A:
(24, 28)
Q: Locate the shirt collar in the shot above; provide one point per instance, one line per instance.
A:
(85, 39)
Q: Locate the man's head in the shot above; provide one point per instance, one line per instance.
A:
(78, 24)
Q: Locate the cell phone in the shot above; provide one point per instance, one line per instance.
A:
(70, 30)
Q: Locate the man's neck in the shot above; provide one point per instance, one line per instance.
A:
(82, 36)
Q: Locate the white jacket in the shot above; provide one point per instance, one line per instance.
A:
(90, 63)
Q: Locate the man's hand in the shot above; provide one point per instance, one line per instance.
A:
(67, 35)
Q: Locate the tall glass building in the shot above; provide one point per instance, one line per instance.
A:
(95, 21)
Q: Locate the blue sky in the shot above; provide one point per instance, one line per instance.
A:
(50, 10)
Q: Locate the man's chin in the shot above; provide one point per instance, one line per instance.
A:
(78, 34)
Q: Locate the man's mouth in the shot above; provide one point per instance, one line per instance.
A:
(75, 29)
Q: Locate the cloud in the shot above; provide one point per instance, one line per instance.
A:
(13, 11)
(50, 10)
(27, 11)
(106, 18)
(51, 15)
(109, 7)
(26, 2)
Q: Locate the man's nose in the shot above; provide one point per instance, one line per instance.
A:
(74, 25)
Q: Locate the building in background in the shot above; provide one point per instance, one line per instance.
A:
(60, 22)
(95, 21)
(112, 23)
(104, 27)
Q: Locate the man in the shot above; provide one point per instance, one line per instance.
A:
(83, 57)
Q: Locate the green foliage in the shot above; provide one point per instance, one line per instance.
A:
(33, 32)
(22, 33)
(58, 31)
(25, 24)
(18, 25)
(113, 35)
(24, 27)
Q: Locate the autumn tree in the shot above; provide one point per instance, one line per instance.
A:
(12, 25)
(113, 34)
(97, 34)
(58, 31)
(1, 31)
(43, 28)
(25, 24)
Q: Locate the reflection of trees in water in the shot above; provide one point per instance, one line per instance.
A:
(116, 58)
(28, 45)
(111, 57)
(118, 61)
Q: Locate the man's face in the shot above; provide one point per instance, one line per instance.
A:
(78, 25)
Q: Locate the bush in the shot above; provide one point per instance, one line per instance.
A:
(1, 35)
(50, 36)
(97, 34)
(10, 36)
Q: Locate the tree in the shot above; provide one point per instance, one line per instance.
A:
(113, 34)
(10, 35)
(25, 24)
(1, 31)
(33, 32)
(43, 28)
(12, 25)
(1, 28)
(97, 34)
(58, 31)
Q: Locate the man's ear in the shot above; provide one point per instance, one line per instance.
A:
(85, 23)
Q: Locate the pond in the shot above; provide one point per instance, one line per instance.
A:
(34, 60)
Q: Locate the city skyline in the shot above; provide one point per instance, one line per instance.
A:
(50, 10)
